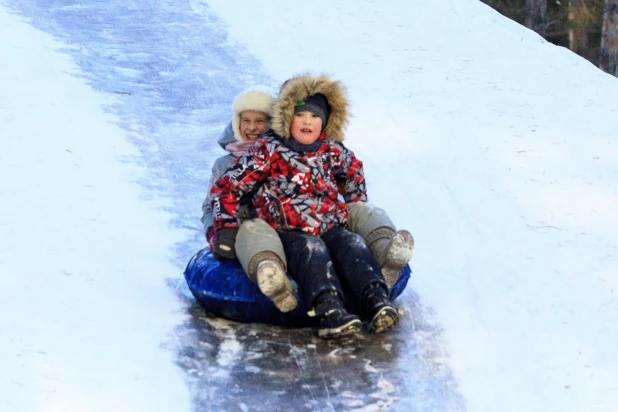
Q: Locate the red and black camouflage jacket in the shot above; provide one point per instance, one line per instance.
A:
(291, 190)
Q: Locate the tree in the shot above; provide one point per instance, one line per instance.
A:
(608, 55)
(578, 20)
(536, 16)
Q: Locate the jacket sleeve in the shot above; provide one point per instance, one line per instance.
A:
(218, 168)
(241, 178)
(206, 205)
(351, 178)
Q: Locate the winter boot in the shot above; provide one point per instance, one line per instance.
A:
(335, 322)
(274, 283)
(393, 250)
(377, 308)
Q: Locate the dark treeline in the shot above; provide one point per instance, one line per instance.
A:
(587, 27)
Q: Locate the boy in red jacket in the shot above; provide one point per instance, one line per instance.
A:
(295, 174)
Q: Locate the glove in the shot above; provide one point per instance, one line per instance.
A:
(224, 243)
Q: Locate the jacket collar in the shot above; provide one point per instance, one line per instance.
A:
(296, 146)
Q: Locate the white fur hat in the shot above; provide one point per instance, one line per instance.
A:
(257, 98)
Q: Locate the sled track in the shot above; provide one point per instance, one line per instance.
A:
(174, 73)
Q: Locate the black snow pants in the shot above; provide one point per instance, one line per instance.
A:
(338, 261)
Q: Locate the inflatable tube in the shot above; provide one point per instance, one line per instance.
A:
(223, 288)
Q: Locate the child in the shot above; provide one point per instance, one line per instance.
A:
(294, 174)
(255, 243)
(393, 249)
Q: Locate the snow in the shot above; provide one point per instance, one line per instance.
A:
(495, 148)
(85, 314)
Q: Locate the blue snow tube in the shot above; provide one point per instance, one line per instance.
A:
(223, 288)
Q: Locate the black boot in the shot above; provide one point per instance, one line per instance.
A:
(335, 322)
(377, 308)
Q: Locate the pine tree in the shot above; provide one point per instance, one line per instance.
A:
(608, 55)
(536, 16)
(578, 19)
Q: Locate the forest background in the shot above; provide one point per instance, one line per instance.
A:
(587, 27)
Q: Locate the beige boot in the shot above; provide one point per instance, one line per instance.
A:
(393, 250)
(274, 283)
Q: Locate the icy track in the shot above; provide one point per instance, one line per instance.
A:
(165, 74)
(495, 148)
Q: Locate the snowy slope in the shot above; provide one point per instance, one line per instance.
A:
(497, 150)
(494, 147)
(85, 314)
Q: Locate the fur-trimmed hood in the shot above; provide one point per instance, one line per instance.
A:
(299, 88)
(257, 98)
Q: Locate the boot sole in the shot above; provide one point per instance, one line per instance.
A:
(351, 328)
(397, 257)
(274, 283)
(384, 320)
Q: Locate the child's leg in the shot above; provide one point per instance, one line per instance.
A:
(356, 266)
(256, 240)
(393, 249)
(364, 218)
(361, 277)
(260, 252)
(310, 265)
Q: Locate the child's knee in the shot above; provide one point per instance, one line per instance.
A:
(308, 244)
(314, 244)
(257, 226)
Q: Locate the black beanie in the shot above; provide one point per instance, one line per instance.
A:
(316, 104)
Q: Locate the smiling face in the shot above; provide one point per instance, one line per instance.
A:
(252, 124)
(306, 127)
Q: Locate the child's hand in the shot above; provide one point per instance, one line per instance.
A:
(224, 243)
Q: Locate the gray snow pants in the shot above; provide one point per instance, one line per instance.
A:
(364, 218)
(257, 240)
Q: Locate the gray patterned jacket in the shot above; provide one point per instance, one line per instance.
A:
(220, 166)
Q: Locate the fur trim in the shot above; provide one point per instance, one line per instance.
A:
(259, 99)
(303, 86)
